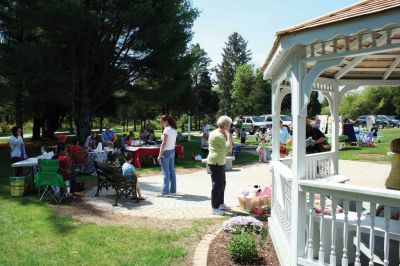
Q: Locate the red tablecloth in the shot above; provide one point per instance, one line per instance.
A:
(151, 152)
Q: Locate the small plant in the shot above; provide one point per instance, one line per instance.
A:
(264, 236)
(243, 224)
(243, 248)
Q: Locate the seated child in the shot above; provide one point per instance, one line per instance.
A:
(66, 167)
(128, 170)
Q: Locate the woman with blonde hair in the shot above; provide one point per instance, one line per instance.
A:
(219, 144)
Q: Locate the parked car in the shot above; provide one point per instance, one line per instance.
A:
(362, 120)
(390, 121)
(286, 120)
(252, 123)
(395, 118)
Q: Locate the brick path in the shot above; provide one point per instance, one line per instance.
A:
(193, 198)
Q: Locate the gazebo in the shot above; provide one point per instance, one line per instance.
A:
(333, 54)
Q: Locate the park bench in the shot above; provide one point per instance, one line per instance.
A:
(228, 164)
(108, 176)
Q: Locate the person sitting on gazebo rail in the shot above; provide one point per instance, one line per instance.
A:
(393, 181)
(316, 140)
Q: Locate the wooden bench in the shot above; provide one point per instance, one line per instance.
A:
(228, 164)
(112, 177)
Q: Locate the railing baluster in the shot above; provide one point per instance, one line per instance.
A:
(387, 213)
(372, 233)
(358, 210)
(310, 227)
(321, 253)
(333, 233)
(345, 260)
(388, 36)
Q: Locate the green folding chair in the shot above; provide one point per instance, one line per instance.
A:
(48, 178)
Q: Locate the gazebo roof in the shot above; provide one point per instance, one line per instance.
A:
(359, 9)
(366, 26)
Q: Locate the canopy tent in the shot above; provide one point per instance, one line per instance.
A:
(333, 54)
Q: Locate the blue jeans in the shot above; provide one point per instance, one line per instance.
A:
(168, 170)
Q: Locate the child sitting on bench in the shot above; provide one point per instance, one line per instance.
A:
(128, 170)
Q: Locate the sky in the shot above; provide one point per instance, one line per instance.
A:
(256, 20)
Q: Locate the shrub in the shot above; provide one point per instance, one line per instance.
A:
(243, 248)
(243, 224)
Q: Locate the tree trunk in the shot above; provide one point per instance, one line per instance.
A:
(101, 124)
(37, 123)
(134, 125)
(71, 123)
(82, 122)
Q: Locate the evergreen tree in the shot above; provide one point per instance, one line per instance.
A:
(251, 94)
(235, 54)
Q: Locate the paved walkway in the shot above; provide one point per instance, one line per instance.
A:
(193, 198)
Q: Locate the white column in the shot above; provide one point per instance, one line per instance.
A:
(276, 111)
(335, 128)
(298, 226)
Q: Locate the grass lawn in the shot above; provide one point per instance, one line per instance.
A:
(377, 153)
(33, 234)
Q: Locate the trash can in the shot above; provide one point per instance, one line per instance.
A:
(17, 186)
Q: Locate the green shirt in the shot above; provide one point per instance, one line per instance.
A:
(217, 148)
(393, 181)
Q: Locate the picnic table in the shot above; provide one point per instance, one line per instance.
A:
(149, 151)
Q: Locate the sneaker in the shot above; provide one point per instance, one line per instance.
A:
(218, 212)
(172, 194)
(223, 207)
(163, 195)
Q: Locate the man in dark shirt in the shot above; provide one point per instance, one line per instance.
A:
(317, 136)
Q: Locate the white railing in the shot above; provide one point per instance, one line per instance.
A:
(344, 225)
(282, 198)
(319, 165)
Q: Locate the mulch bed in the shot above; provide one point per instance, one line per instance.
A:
(218, 254)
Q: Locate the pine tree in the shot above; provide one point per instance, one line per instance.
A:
(235, 54)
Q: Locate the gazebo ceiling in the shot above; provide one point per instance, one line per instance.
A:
(365, 37)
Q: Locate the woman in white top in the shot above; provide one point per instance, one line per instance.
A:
(17, 149)
(166, 156)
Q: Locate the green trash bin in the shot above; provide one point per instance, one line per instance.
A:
(17, 186)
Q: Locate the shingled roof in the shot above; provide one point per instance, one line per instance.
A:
(363, 8)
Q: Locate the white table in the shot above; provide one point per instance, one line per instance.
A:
(133, 148)
(26, 163)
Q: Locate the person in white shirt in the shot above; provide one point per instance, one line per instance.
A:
(166, 156)
(17, 148)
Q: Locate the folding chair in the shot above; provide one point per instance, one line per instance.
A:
(48, 177)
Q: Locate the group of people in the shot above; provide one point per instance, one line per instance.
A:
(217, 144)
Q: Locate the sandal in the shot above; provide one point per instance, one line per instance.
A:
(141, 198)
